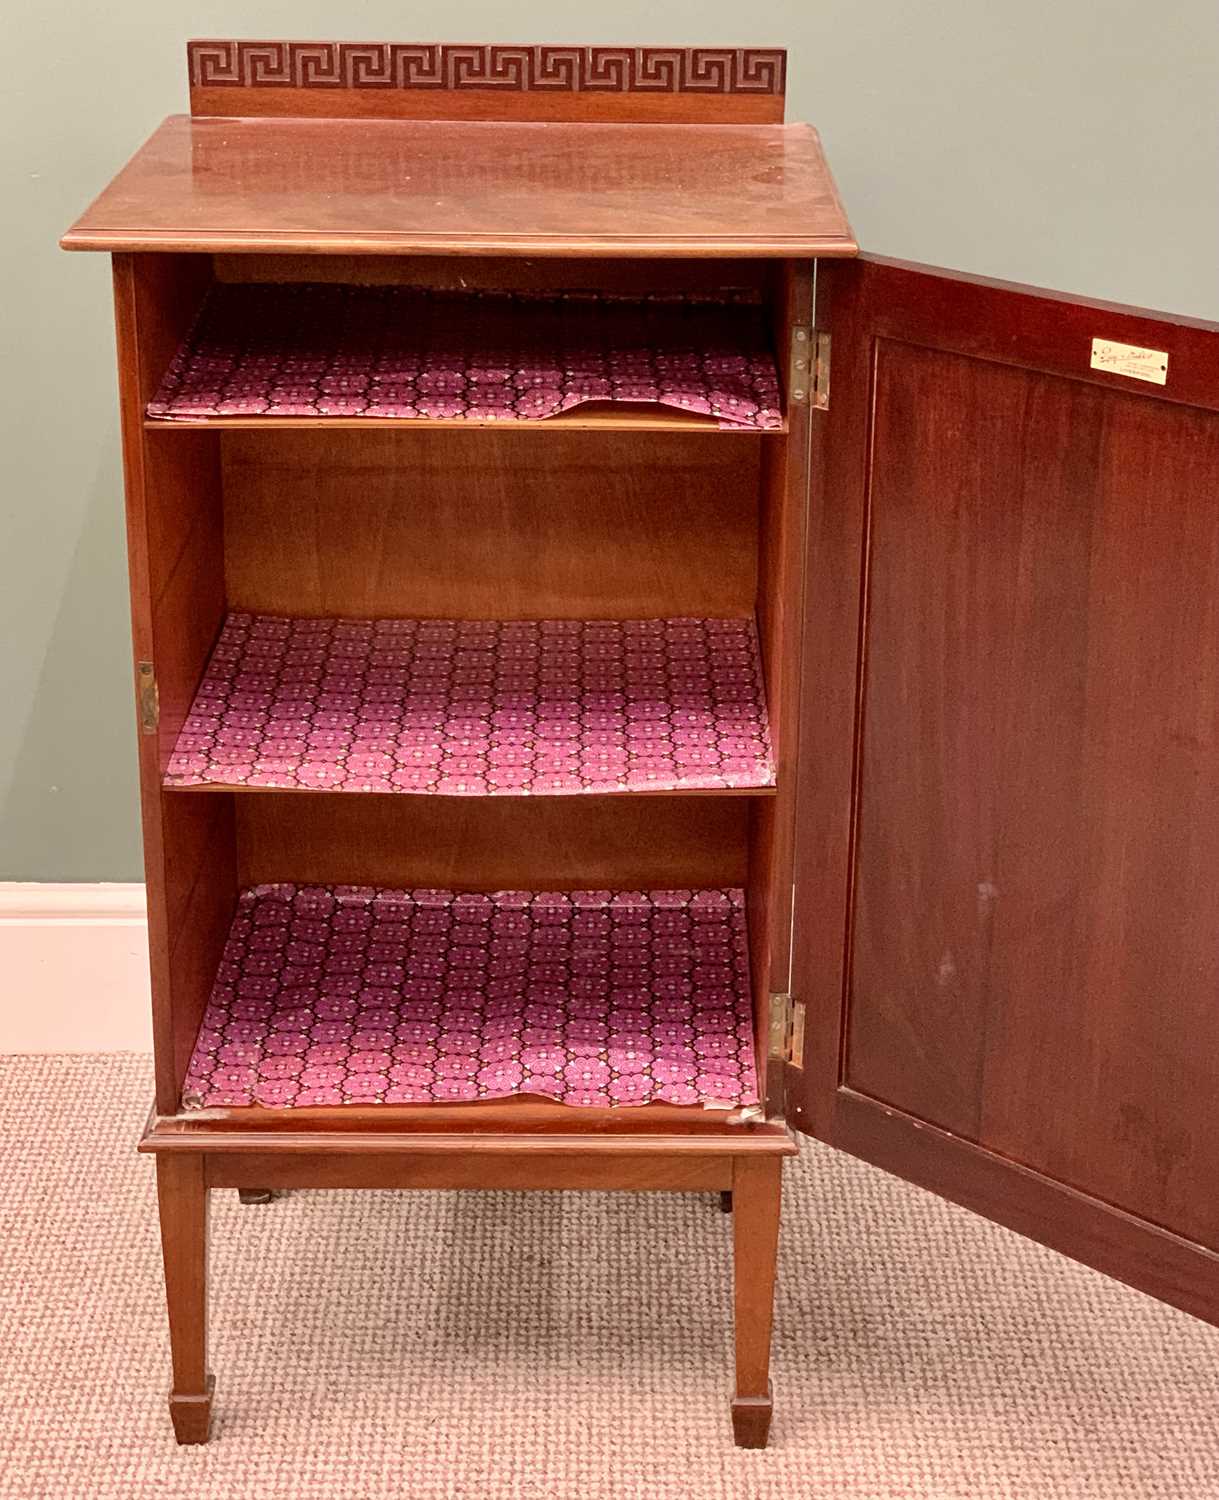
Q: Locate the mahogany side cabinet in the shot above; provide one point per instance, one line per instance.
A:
(624, 680)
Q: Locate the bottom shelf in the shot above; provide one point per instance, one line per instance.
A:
(355, 995)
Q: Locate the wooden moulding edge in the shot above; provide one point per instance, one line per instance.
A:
(1091, 1230)
(794, 247)
(173, 1133)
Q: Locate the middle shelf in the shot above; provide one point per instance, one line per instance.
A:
(479, 708)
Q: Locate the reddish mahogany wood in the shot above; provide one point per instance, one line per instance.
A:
(182, 1196)
(495, 526)
(781, 526)
(509, 843)
(511, 1127)
(423, 187)
(590, 417)
(628, 1172)
(756, 1189)
(175, 563)
(828, 702)
(1165, 1265)
(564, 108)
(1032, 958)
(401, 80)
(1035, 329)
(717, 278)
(693, 204)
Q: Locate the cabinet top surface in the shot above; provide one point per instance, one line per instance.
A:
(453, 187)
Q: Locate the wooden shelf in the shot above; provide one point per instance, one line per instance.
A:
(479, 708)
(326, 352)
(586, 418)
(358, 996)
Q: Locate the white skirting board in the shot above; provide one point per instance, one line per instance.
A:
(73, 968)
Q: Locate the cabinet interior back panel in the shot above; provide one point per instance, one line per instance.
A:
(1034, 959)
(490, 843)
(484, 525)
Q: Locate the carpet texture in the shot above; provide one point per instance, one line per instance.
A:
(497, 1346)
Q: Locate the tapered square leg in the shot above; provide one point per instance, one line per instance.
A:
(182, 1200)
(756, 1191)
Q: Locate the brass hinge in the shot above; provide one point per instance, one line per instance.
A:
(787, 1030)
(800, 371)
(821, 371)
(148, 698)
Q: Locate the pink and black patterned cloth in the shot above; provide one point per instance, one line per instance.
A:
(355, 995)
(310, 350)
(479, 708)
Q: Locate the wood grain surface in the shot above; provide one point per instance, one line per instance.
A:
(490, 525)
(409, 187)
(1017, 558)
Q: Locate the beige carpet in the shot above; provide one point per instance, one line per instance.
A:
(561, 1346)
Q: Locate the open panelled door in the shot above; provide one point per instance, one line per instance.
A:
(1007, 896)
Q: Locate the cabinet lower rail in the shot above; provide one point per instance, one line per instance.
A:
(629, 1161)
(495, 1170)
(189, 1134)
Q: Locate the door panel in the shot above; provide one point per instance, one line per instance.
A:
(1027, 596)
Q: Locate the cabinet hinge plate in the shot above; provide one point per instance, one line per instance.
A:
(148, 698)
(787, 1030)
(821, 370)
(800, 368)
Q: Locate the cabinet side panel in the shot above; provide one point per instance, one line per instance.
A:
(175, 553)
(200, 881)
(185, 525)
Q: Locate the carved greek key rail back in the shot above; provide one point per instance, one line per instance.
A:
(409, 80)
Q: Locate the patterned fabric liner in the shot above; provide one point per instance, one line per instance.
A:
(355, 995)
(304, 350)
(479, 708)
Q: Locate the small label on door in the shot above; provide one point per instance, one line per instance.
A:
(1129, 359)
